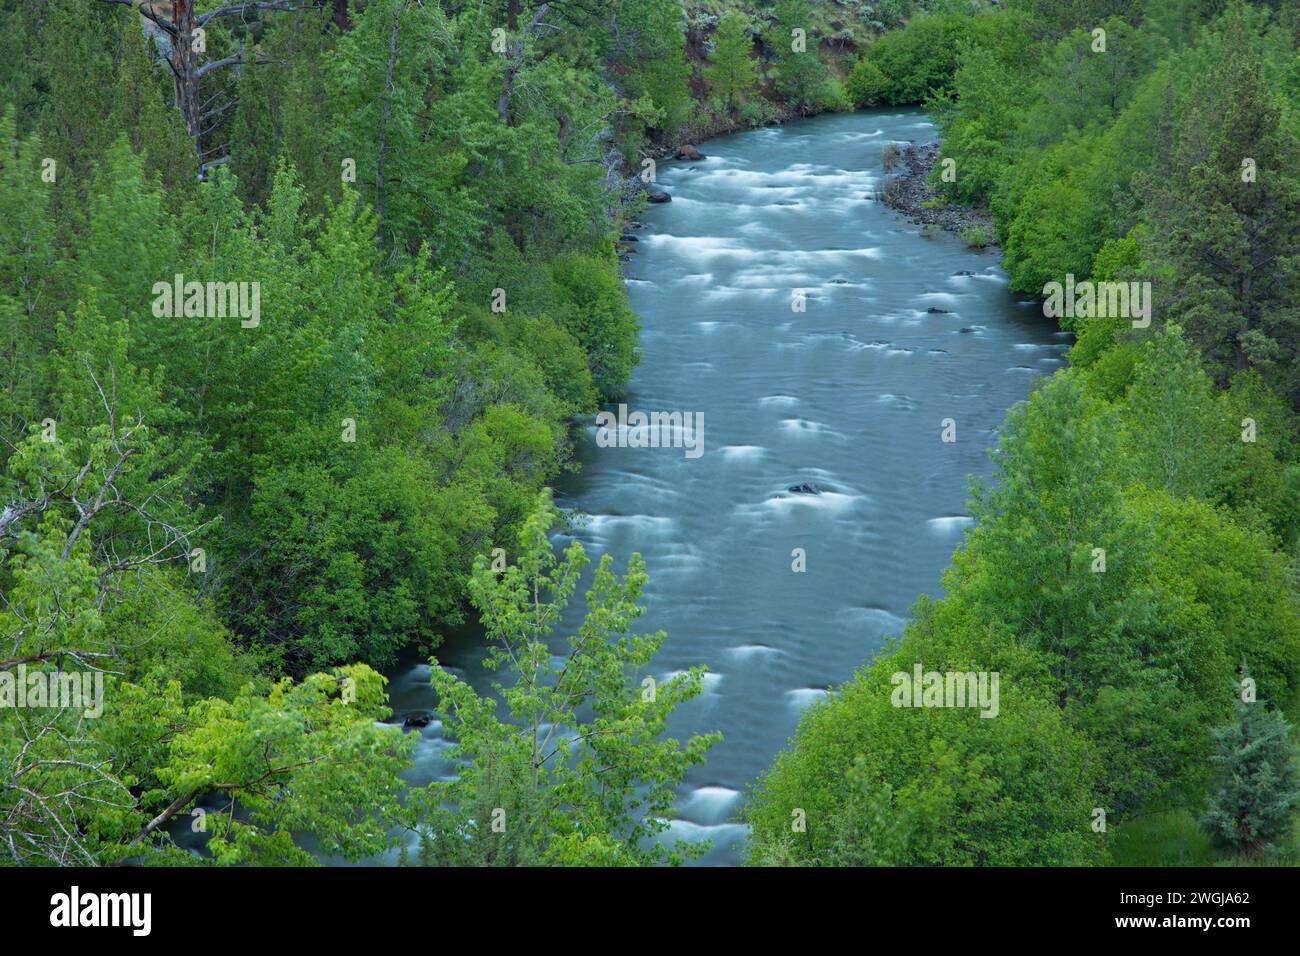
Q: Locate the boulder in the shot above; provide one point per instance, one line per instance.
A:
(658, 197)
(688, 151)
(417, 720)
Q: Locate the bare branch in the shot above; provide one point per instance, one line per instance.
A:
(243, 8)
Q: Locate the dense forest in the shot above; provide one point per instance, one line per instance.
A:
(302, 301)
(1133, 575)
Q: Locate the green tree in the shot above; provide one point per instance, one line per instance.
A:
(253, 147)
(1180, 434)
(386, 73)
(580, 772)
(29, 281)
(1226, 213)
(594, 310)
(1057, 498)
(799, 76)
(663, 72)
(731, 71)
(142, 114)
(865, 83)
(865, 782)
(920, 59)
(97, 544)
(76, 116)
(1251, 811)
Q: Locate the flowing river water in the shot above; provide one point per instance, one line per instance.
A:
(849, 396)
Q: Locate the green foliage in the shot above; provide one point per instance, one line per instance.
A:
(866, 84)
(94, 577)
(977, 237)
(798, 76)
(1225, 217)
(301, 757)
(593, 309)
(580, 773)
(1058, 139)
(731, 71)
(142, 113)
(663, 72)
(204, 533)
(1251, 810)
(918, 62)
(28, 278)
(1181, 436)
(931, 785)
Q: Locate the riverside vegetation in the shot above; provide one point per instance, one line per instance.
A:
(1133, 574)
(239, 523)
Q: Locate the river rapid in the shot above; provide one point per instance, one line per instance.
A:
(849, 396)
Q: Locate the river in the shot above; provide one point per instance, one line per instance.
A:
(848, 395)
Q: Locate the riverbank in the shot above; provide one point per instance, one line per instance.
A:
(910, 192)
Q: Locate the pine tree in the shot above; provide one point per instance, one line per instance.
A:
(76, 116)
(1228, 213)
(665, 74)
(253, 146)
(1259, 787)
(730, 70)
(27, 281)
(799, 76)
(141, 111)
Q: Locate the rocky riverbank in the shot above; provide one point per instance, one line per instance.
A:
(907, 188)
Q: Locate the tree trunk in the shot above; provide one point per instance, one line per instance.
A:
(1238, 348)
(383, 131)
(341, 18)
(184, 68)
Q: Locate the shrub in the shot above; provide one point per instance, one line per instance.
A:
(866, 83)
(978, 236)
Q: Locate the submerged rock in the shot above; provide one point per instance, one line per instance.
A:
(658, 197)
(934, 311)
(417, 720)
(805, 489)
